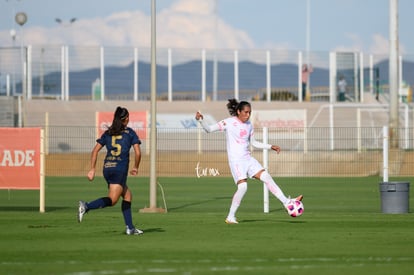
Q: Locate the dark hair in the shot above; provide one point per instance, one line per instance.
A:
(233, 106)
(117, 125)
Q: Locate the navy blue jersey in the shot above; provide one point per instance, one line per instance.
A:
(118, 147)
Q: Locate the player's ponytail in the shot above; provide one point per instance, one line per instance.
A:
(117, 125)
(233, 106)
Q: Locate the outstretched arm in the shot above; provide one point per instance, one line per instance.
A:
(262, 145)
(208, 128)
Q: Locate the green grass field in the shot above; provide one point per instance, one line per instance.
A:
(341, 232)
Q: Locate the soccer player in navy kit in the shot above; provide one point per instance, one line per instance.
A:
(239, 136)
(118, 139)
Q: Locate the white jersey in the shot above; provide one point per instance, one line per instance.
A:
(239, 135)
(342, 85)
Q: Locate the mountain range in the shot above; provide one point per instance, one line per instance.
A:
(187, 77)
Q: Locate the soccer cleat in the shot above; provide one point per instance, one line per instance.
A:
(299, 198)
(133, 231)
(290, 201)
(231, 221)
(83, 209)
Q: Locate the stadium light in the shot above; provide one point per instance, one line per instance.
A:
(66, 24)
(13, 35)
(21, 18)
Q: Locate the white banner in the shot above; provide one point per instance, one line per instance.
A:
(180, 121)
(294, 118)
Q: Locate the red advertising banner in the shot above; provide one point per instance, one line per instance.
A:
(137, 121)
(20, 158)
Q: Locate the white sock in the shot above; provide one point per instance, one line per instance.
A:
(237, 198)
(273, 187)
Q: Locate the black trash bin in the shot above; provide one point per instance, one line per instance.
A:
(395, 197)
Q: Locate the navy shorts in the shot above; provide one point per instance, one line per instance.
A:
(114, 176)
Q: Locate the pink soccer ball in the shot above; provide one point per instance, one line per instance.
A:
(295, 208)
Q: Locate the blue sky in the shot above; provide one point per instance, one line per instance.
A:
(343, 25)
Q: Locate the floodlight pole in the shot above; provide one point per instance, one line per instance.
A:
(21, 19)
(393, 75)
(215, 67)
(13, 36)
(153, 131)
(308, 37)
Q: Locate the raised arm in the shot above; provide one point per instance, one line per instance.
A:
(208, 128)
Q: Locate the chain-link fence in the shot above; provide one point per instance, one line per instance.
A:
(320, 151)
(123, 73)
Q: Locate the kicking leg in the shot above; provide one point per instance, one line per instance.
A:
(265, 177)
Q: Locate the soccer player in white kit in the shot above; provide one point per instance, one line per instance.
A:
(239, 136)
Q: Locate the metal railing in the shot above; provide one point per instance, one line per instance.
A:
(305, 152)
(123, 73)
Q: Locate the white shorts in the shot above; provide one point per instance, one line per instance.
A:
(243, 169)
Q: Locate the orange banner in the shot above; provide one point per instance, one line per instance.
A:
(20, 155)
(137, 121)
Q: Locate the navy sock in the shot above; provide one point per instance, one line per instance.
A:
(126, 211)
(99, 203)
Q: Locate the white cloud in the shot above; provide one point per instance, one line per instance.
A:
(379, 45)
(185, 24)
(193, 24)
(205, 7)
(356, 44)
